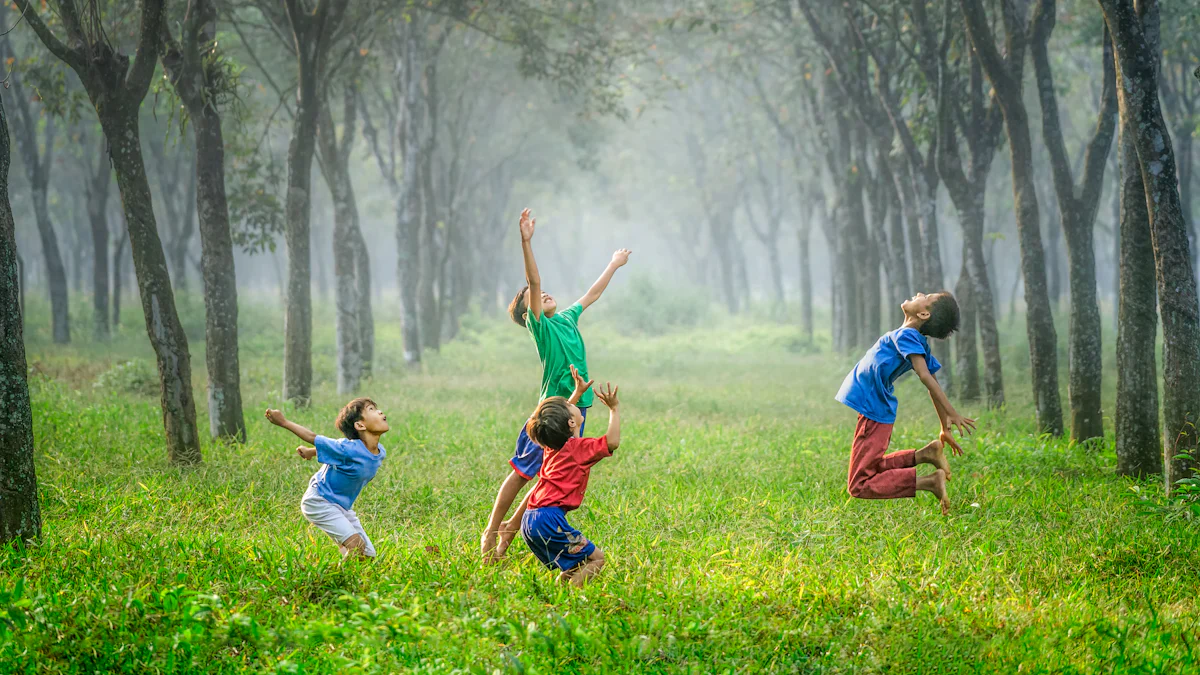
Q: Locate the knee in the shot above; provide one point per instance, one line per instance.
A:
(597, 558)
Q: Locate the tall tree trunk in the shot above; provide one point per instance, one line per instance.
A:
(20, 515)
(1136, 47)
(1138, 440)
(154, 285)
(56, 273)
(1053, 253)
(117, 276)
(1040, 320)
(366, 317)
(1077, 207)
(97, 204)
(967, 362)
(804, 237)
(409, 208)
(220, 281)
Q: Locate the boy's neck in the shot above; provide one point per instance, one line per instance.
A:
(371, 441)
(912, 322)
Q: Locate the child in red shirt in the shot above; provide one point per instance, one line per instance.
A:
(563, 479)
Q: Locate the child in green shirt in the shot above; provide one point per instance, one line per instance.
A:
(559, 346)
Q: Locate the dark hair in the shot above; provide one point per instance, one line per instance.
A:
(516, 308)
(550, 426)
(943, 317)
(353, 412)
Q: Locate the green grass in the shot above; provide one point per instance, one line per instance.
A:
(733, 546)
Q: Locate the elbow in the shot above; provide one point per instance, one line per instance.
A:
(613, 444)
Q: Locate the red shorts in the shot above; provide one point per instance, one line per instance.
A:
(874, 474)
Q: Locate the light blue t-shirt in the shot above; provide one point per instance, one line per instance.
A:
(868, 388)
(347, 466)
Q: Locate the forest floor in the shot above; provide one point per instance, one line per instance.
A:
(732, 543)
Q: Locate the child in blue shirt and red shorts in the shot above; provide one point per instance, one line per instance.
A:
(868, 389)
(556, 425)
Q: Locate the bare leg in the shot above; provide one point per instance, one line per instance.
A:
(580, 574)
(932, 454)
(512, 526)
(509, 489)
(936, 483)
(355, 547)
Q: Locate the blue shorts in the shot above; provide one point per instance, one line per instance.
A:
(527, 460)
(553, 540)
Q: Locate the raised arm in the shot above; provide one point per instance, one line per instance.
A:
(949, 417)
(618, 260)
(277, 418)
(608, 395)
(534, 307)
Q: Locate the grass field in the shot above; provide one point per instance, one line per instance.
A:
(733, 545)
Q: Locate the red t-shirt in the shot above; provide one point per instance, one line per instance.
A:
(564, 475)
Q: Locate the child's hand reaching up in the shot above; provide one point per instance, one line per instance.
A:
(276, 417)
(608, 395)
(621, 257)
(580, 386)
(306, 453)
(527, 224)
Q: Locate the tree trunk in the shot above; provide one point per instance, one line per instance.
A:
(1040, 320)
(154, 286)
(1138, 440)
(362, 275)
(804, 236)
(967, 361)
(117, 276)
(97, 205)
(220, 282)
(1136, 49)
(1053, 254)
(56, 273)
(20, 515)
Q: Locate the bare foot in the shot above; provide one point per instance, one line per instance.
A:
(507, 535)
(487, 545)
(939, 490)
(933, 454)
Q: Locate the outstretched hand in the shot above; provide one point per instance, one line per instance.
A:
(580, 385)
(620, 257)
(608, 395)
(527, 224)
(276, 417)
(306, 452)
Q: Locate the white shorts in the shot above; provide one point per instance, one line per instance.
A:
(340, 524)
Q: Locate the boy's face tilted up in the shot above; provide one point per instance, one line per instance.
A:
(917, 307)
(576, 420)
(373, 421)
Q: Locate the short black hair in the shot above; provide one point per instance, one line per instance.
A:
(516, 308)
(550, 426)
(943, 317)
(351, 413)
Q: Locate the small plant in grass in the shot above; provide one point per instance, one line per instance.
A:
(131, 377)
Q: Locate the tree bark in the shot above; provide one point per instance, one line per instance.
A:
(312, 34)
(97, 205)
(1040, 321)
(804, 237)
(117, 276)
(1135, 41)
(1077, 207)
(967, 355)
(20, 514)
(186, 69)
(37, 157)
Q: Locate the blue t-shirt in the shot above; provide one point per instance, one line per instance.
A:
(868, 388)
(348, 466)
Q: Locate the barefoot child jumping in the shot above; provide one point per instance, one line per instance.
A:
(347, 465)
(559, 346)
(556, 425)
(868, 390)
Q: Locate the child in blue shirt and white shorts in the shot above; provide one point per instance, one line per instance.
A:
(347, 465)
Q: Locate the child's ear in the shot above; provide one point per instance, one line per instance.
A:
(360, 425)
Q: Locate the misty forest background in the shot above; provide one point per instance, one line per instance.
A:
(217, 206)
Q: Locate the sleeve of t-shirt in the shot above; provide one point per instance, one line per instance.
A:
(330, 451)
(536, 326)
(572, 313)
(909, 343)
(592, 450)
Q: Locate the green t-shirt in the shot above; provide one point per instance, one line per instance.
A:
(560, 346)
